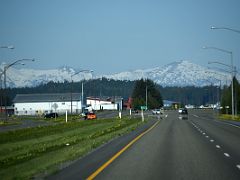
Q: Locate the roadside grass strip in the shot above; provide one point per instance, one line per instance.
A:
(229, 117)
(27, 152)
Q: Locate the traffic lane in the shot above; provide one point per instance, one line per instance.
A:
(224, 135)
(172, 150)
(83, 167)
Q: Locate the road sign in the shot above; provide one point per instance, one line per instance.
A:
(143, 107)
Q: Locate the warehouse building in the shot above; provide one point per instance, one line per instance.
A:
(39, 104)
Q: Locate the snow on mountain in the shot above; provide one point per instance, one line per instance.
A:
(183, 73)
(33, 77)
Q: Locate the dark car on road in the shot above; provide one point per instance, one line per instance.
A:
(51, 115)
(183, 113)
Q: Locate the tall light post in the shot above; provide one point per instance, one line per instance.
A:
(90, 71)
(231, 71)
(2, 73)
(6, 67)
(233, 30)
(146, 94)
(1, 91)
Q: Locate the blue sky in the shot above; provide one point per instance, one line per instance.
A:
(111, 36)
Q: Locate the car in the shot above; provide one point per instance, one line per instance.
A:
(183, 113)
(156, 111)
(135, 111)
(51, 115)
(90, 115)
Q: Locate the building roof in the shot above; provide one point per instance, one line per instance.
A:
(106, 98)
(53, 97)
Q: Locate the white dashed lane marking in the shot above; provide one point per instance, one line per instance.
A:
(226, 154)
(211, 140)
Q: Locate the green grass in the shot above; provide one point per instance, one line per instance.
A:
(229, 117)
(8, 123)
(27, 152)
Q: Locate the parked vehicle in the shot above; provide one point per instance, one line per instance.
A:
(51, 115)
(91, 115)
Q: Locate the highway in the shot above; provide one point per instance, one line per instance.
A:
(199, 147)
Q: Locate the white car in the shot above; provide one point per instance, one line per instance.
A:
(156, 111)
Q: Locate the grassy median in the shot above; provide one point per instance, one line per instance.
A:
(27, 152)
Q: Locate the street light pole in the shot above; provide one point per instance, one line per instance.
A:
(1, 74)
(232, 75)
(82, 98)
(90, 71)
(146, 95)
(233, 30)
(6, 67)
(231, 56)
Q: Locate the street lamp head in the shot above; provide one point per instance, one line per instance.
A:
(7, 47)
(28, 60)
(11, 47)
(213, 27)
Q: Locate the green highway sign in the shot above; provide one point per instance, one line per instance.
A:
(143, 107)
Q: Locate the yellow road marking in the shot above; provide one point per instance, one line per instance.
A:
(100, 169)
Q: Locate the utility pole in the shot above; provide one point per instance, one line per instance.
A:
(146, 95)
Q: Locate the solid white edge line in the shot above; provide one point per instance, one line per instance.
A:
(229, 124)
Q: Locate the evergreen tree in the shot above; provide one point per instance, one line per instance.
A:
(227, 98)
(143, 87)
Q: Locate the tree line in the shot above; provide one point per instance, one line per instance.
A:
(107, 87)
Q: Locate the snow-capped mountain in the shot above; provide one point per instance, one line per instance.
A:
(182, 73)
(34, 77)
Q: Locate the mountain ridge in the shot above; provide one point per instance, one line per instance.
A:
(178, 73)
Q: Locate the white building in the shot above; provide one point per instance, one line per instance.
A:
(38, 104)
(104, 103)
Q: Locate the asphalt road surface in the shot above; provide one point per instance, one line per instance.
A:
(199, 147)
